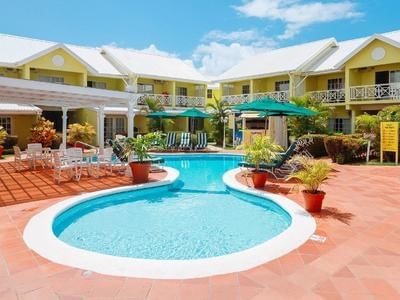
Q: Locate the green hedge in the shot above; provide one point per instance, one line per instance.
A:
(317, 148)
(345, 148)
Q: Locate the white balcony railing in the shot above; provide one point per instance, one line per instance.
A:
(375, 92)
(168, 100)
(189, 101)
(329, 96)
(282, 96)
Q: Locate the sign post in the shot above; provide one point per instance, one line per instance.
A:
(390, 139)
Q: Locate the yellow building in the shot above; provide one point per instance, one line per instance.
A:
(352, 77)
(94, 72)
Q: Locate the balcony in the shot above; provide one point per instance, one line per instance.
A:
(282, 96)
(168, 100)
(375, 92)
(329, 96)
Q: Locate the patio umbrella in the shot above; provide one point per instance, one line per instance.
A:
(160, 115)
(270, 107)
(194, 113)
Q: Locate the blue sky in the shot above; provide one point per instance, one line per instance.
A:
(213, 35)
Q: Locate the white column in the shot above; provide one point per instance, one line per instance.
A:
(131, 119)
(100, 116)
(234, 130)
(64, 125)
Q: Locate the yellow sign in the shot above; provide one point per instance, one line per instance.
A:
(390, 138)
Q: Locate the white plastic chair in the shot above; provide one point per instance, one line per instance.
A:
(60, 166)
(75, 158)
(104, 161)
(34, 153)
(19, 158)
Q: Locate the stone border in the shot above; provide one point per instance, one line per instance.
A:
(39, 237)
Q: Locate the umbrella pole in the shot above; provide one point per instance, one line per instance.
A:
(265, 124)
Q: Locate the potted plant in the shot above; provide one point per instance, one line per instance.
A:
(136, 150)
(3, 135)
(311, 176)
(262, 150)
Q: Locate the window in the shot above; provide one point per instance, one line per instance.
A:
(281, 86)
(199, 90)
(145, 88)
(341, 125)
(51, 79)
(97, 84)
(113, 126)
(209, 93)
(245, 89)
(196, 125)
(228, 89)
(394, 77)
(181, 91)
(335, 84)
(5, 122)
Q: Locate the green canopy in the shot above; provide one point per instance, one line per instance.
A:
(160, 114)
(194, 113)
(271, 107)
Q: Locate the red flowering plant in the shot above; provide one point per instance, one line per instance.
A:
(43, 132)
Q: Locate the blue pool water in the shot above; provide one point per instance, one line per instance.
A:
(196, 218)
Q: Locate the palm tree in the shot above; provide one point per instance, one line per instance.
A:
(219, 112)
(153, 105)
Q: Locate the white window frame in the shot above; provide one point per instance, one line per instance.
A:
(10, 123)
(112, 120)
(228, 89)
(97, 84)
(282, 82)
(51, 79)
(180, 89)
(335, 84)
(145, 88)
(245, 87)
(209, 93)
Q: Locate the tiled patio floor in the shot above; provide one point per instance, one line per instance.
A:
(359, 260)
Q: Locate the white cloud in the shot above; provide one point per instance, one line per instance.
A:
(297, 14)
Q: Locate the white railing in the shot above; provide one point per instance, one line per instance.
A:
(189, 101)
(375, 92)
(165, 100)
(329, 96)
(282, 96)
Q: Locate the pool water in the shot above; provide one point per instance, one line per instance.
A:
(195, 218)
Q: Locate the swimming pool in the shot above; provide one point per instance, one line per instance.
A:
(198, 221)
(197, 217)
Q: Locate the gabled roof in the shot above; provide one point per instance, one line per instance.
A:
(152, 66)
(279, 61)
(13, 109)
(16, 51)
(334, 60)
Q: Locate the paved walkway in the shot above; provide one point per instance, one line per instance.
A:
(360, 258)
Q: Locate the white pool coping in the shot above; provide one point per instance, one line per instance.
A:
(39, 237)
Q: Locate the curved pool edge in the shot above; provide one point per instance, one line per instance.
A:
(39, 237)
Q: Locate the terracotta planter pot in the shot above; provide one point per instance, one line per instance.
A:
(1, 151)
(259, 179)
(313, 202)
(140, 171)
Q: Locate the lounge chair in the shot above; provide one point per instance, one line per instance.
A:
(280, 166)
(201, 140)
(186, 141)
(171, 139)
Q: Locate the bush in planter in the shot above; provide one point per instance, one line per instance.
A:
(43, 132)
(311, 176)
(80, 133)
(3, 135)
(262, 150)
(317, 148)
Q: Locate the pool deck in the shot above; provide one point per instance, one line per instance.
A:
(360, 258)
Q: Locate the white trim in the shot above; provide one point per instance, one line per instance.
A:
(39, 237)
(364, 45)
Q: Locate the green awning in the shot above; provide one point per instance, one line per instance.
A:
(160, 115)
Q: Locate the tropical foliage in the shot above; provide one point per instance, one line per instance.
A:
(219, 111)
(153, 105)
(312, 174)
(367, 124)
(262, 150)
(141, 145)
(317, 124)
(390, 114)
(3, 135)
(80, 133)
(43, 132)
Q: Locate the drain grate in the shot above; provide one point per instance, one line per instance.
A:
(318, 238)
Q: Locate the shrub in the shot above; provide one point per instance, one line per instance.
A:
(10, 141)
(3, 135)
(317, 148)
(80, 133)
(367, 124)
(390, 114)
(56, 142)
(345, 148)
(43, 132)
